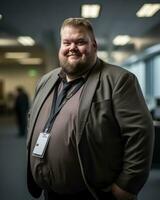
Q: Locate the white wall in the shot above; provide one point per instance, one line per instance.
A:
(18, 76)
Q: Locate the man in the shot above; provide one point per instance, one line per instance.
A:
(95, 142)
(21, 109)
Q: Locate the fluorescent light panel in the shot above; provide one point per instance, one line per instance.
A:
(30, 61)
(26, 40)
(16, 55)
(8, 42)
(148, 10)
(121, 40)
(90, 10)
(1, 16)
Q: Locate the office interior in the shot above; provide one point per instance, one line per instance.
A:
(29, 42)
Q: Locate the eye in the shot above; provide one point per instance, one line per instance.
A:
(66, 43)
(81, 42)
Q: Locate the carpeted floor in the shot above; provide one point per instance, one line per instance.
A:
(13, 167)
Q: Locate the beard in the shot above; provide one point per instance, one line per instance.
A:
(76, 68)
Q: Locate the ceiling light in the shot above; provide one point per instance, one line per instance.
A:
(121, 40)
(1, 16)
(90, 10)
(8, 42)
(30, 61)
(16, 55)
(148, 10)
(26, 40)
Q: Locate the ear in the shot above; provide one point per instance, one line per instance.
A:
(95, 44)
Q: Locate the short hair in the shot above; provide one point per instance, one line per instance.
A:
(79, 22)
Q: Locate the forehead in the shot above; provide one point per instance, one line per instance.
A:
(74, 31)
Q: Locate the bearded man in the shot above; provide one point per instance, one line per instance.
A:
(90, 134)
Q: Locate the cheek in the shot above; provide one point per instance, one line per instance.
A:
(62, 52)
(84, 50)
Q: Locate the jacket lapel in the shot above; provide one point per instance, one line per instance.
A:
(41, 96)
(86, 99)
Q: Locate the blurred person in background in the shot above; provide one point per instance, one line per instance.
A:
(21, 109)
(90, 134)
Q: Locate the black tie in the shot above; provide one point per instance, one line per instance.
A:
(66, 87)
(63, 93)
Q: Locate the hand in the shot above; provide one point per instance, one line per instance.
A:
(121, 194)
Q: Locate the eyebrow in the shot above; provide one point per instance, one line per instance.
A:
(78, 39)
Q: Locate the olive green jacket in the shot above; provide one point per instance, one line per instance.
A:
(114, 137)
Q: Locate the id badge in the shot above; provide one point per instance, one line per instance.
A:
(41, 145)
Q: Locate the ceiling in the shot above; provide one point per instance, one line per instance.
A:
(40, 18)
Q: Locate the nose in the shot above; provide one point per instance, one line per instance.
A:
(73, 46)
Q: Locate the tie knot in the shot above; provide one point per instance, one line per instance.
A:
(68, 85)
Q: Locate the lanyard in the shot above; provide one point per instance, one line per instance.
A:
(56, 109)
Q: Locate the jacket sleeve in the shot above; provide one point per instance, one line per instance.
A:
(33, 188)
(136, 130)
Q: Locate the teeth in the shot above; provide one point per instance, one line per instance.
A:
(73, 55)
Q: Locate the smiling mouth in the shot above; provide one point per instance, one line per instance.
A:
(73, 55)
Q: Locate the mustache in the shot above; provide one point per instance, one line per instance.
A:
(73, 54)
